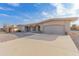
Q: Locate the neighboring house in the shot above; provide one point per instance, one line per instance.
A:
(10, 28)
(75, 27)
(6, 28)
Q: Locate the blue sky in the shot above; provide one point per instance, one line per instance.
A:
(24, 13)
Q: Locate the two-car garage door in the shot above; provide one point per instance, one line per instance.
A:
(54, 29)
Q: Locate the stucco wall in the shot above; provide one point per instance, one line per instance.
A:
(53, 23)
(65, 24)
(22, 28)
(42, 28)
(67, 27)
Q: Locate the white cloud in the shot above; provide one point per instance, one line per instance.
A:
(4, 15)
(62, 11)
(76, 5)
(14, 4)
(54, 4)
(3, 8)
(27, 21)
(46, 14)
(26, 16)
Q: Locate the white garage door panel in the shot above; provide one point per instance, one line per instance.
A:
(54, 29)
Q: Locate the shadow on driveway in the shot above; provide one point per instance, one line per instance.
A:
(12, 36)
(27, 35)
(46, 37)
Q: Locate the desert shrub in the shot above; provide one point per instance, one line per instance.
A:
(18, 31)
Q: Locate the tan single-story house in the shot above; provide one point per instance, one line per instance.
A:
(51, 26)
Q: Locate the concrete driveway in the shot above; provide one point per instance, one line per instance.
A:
(35, 44)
